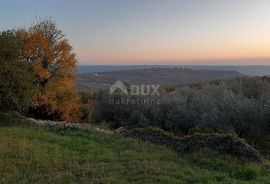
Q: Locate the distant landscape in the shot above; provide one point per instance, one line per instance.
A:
(252, 70)
(101, 77)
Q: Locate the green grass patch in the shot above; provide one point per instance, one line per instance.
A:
(38, 155)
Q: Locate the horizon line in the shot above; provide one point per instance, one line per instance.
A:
(173, 64)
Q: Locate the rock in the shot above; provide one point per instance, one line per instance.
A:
(103, 131)
(67, 125)
(120, 130)
(225, 144)
(61, 124)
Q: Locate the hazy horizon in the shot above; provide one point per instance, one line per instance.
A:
(250, 70)
(154, 32)
(165, 64)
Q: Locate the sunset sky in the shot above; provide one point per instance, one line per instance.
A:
(154, 31)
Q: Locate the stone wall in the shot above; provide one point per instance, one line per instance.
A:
(225, 144)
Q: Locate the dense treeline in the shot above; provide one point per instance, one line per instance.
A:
(38, 73)
(239, 106)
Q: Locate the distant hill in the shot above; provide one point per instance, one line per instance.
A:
(158, 76)
(252, 70)
(255, 70)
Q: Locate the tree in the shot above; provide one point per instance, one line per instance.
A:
(54, 66)
(16, 80)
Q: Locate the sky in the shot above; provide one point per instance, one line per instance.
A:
(124, 32)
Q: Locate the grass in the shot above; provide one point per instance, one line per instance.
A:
(38, 155)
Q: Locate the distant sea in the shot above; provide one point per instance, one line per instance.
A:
(252, 70)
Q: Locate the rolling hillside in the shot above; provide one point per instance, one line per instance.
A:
(158, 76)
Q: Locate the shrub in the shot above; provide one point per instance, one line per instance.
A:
(221, 106)
(16, 80)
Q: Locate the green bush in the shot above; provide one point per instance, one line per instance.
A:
(238, 106)
(16, 79)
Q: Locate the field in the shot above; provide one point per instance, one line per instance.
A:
(39, 155)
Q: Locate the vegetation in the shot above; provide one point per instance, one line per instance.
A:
(238, 106)
(16, 80)
(37, 155)
(39, 57)
(54, 67)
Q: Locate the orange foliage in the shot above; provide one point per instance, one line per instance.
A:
(54, 66)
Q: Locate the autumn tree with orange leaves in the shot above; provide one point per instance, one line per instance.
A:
(54, 68)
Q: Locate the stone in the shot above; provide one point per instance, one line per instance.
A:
(222, 143)
(120, 130)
